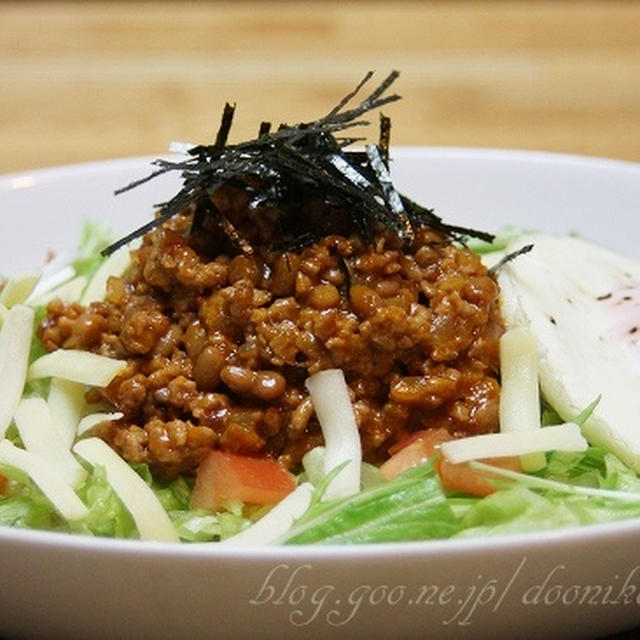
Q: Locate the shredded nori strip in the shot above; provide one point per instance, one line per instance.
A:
(265, 127)
(225, 125)
(509, 257)
(294, 164)
(385, 138)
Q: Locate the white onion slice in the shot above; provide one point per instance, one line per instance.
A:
(313, 465)
(330, 397)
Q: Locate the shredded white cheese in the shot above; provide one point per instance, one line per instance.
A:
(50, 281)
(148, 513)
(277, 521)
(561, 437)
(79, 366)
(19, 288)
(66, 404)
(88, 422)
(60, 493)
(39, 436)
(69, 291)
(519, 390)
(115, 265)
(15, 344)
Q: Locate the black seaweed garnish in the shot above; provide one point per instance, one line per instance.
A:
(509, 257)
(295, 164)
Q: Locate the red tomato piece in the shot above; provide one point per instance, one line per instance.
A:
(414, 450)
(422, 445)
(3, 483)
(227, 476)
(461, 477)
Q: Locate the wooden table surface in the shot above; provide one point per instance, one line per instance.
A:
(84, 81)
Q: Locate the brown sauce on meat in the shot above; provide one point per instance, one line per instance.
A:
(220, 342)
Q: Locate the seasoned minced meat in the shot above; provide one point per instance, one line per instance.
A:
(219, 342)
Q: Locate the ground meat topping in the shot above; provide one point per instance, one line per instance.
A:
(219, 342)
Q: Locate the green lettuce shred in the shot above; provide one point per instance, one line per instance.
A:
(410, 507)
(24, 505)
(93, 239)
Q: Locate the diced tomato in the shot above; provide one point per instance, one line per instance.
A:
(3, 483)
(422, 445)
(461, 477)
(227, 476)
(414, 450)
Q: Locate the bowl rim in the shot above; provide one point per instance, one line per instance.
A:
(456, 547)
(400, 151)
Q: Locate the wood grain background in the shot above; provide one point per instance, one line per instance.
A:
(85, 81)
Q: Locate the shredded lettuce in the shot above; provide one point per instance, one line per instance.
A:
(514, 510)
(204, 526)
(414, 506)
(410, 507)
(564, 502)
(23, 505)
(93, 239)
(107, 517)
(502, 238)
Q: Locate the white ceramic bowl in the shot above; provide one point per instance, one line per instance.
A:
(575, 583)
